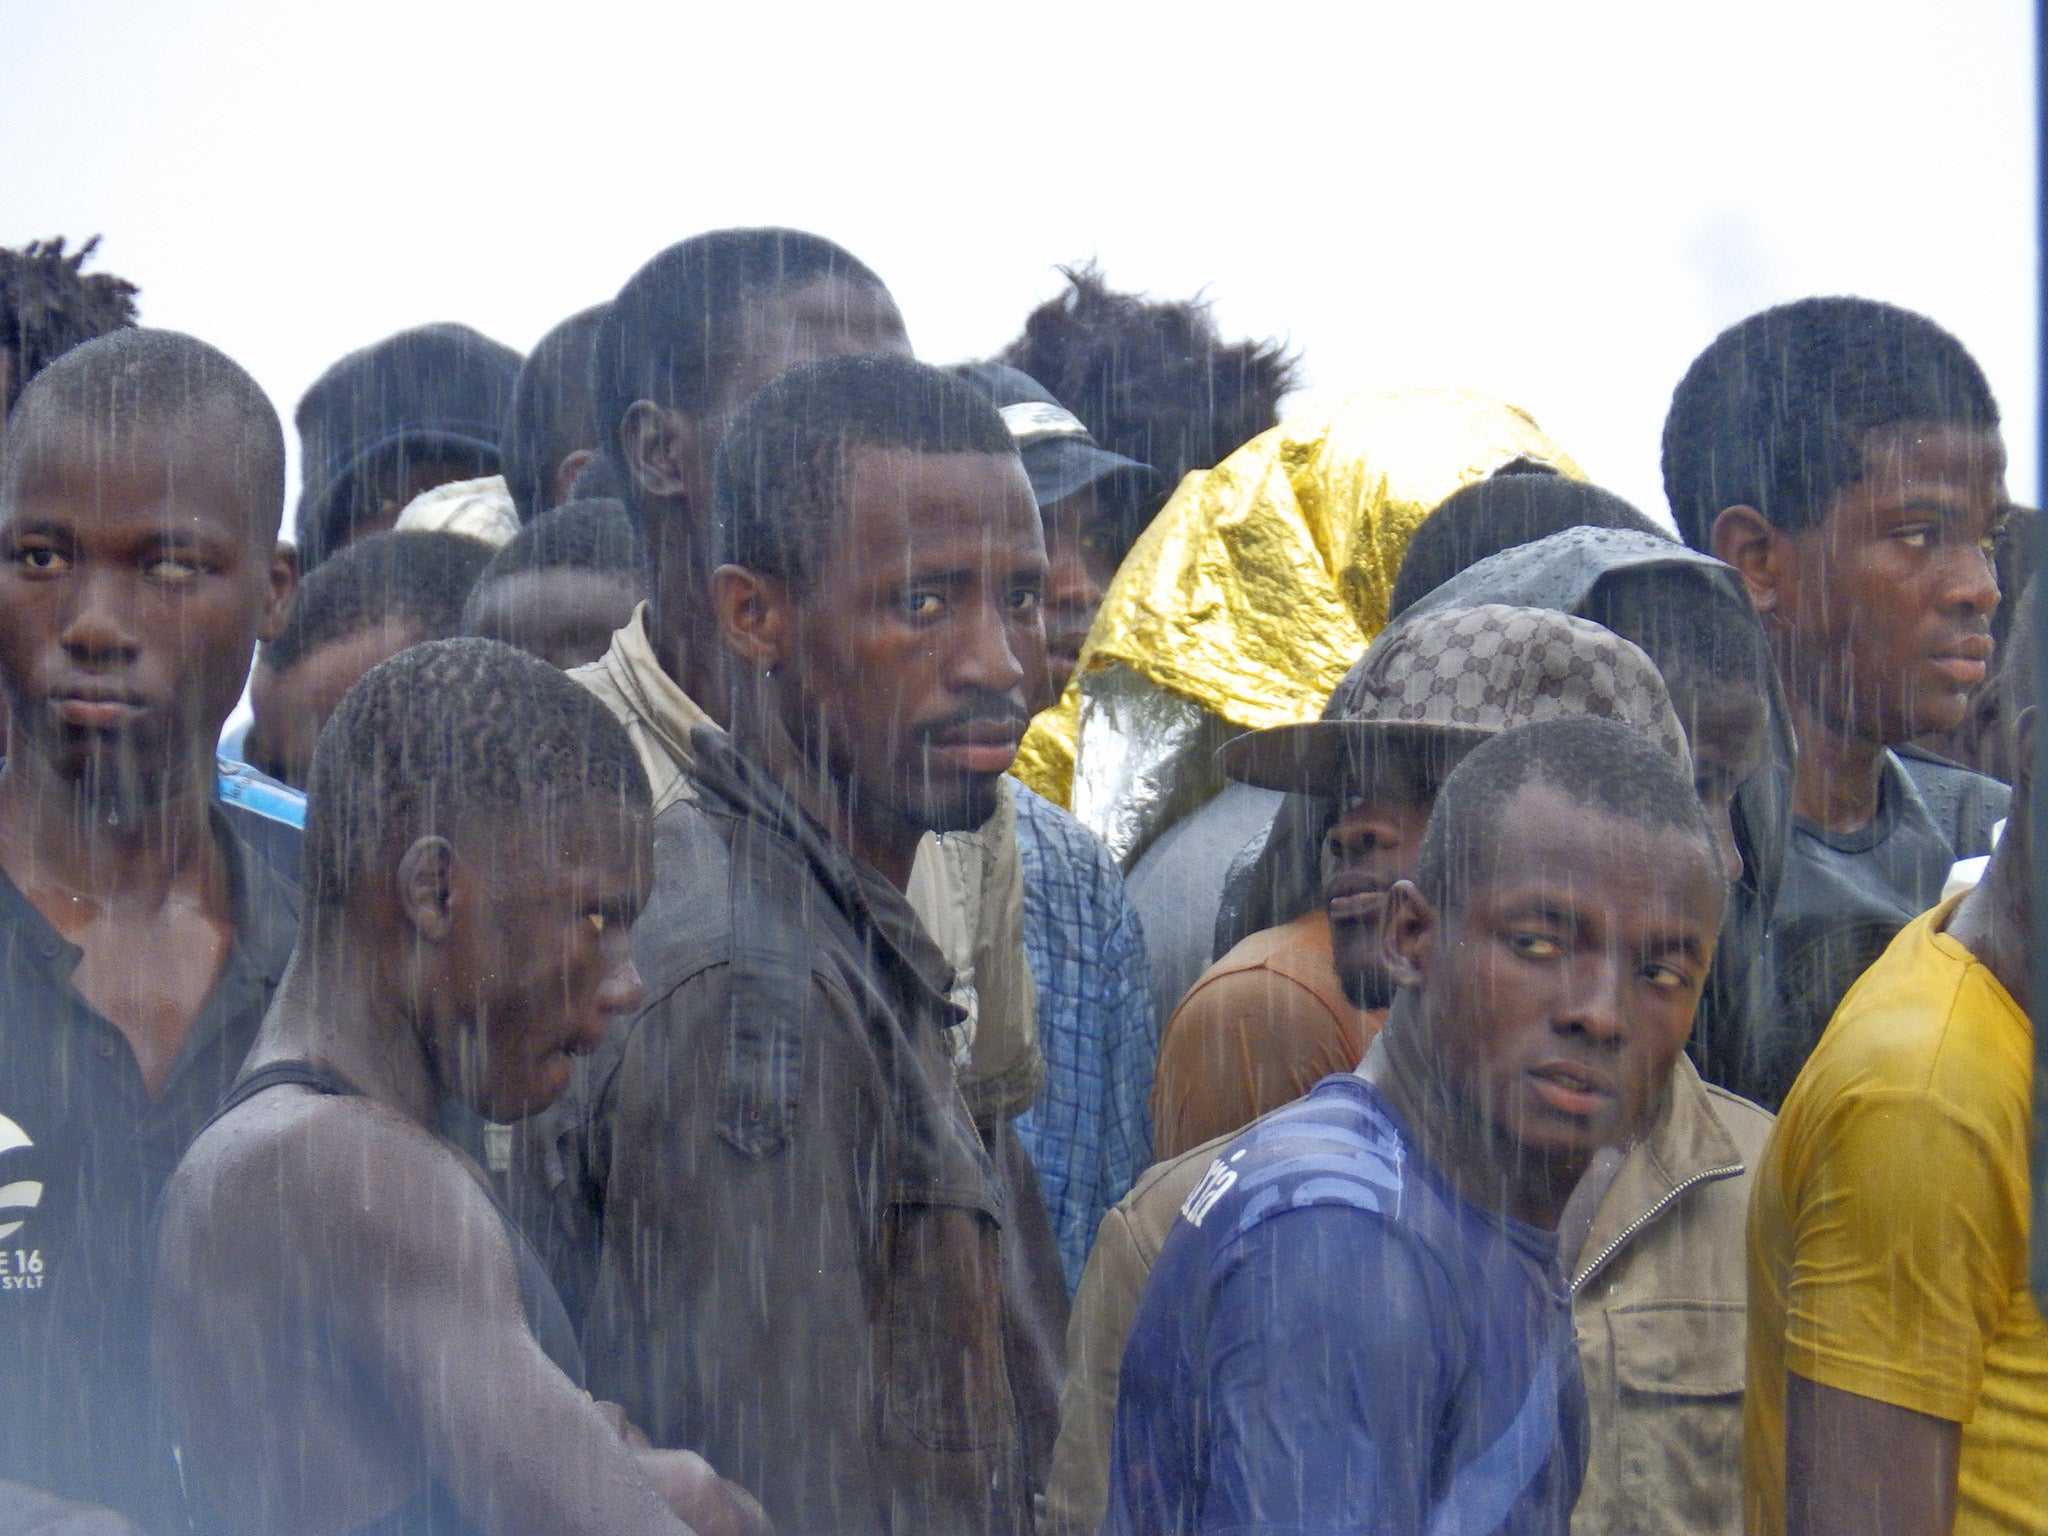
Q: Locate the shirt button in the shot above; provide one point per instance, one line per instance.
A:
(106, 1050)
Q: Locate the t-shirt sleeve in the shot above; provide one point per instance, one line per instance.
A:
(1327, 1377)
(1904, 1225)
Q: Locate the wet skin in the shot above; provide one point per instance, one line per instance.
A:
(1373, 844)
(289, 708)
(1553, 999)
(1083, 561)
(1880, 615)
(565, 617)
(669, 455)
(902, 668)
(139, 570)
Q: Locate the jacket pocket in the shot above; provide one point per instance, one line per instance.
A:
(1677, 1437)
(947, 1385)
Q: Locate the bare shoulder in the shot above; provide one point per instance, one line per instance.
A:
(323, 1172)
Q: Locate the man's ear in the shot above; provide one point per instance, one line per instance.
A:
(284, 586)
(663, 450)
(426, 887)
(567, 471)
(1408, 934)
(755, 614)
(1744, 538)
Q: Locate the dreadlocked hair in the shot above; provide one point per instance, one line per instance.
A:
(446, 732)
(49, 304)
(1152, 379)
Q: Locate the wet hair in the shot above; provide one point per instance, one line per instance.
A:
(134, 378)
(551, 414)
(420, 580)
(1599, 766)
(1502, 512)
(577, 536)
(783, 461)
(49, 304)
(1776, 413)
(448, 730)
(675, 332)
(1152, 379)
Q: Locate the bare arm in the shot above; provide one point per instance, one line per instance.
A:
(1855, 1466)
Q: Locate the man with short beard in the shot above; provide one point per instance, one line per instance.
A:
(807, 1265)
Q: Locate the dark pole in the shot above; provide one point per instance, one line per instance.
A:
(2039, 805)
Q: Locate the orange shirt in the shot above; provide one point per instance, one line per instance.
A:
(1265, 1024)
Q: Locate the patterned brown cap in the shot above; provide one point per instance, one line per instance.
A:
(1464, 673)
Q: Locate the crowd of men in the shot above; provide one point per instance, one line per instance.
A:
(798, 940)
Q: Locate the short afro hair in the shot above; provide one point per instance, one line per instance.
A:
(1152, 379)
(674, 333)
(783, 460)
(1599, 766)
(417, 579)
(1503, 511)
(1775, 414)
(450, 730)
(551, 415)
(49, 304)
(136, 379)
(576, 536)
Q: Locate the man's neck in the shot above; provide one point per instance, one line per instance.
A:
(121, 856)
(1840, 773)
(1480, 1163)
(334, 1009)
(890, 848)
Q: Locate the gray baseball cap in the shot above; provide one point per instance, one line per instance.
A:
(1461, 675)
(1060, 456)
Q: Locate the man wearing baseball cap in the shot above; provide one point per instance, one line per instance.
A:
(1660, 1219)
(1095, 504)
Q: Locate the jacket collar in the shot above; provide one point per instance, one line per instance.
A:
(1686, 1147)
(651, 701)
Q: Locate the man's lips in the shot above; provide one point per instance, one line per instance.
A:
(93, 708)
(979, 746)
(1355, 902)
(1966, 662)
(1571, 1089)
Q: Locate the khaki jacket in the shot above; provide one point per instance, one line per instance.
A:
(1659, 1302)
(967, 887)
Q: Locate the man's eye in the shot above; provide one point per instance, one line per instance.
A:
(1535, 946)
(921, 605)
(1915, 538)
(171, 571)
(41, 559)
(1664, 978)
(1024, 602)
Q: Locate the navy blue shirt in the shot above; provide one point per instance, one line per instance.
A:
(84, 1154)
(1334, 1340)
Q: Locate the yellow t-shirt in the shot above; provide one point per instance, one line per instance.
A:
(1888, 1231)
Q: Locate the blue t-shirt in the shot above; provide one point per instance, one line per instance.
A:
(1334, 1340)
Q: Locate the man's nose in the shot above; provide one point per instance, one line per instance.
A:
(94, 627)
(1973, 580)
(986, 653)
(1592, 1005)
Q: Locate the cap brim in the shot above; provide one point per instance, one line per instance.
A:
(1315, 756)
(1066, 466)
(316, 509)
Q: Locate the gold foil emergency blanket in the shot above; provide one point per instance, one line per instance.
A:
(1253, 591)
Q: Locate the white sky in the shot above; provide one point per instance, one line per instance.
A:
(1558, 202)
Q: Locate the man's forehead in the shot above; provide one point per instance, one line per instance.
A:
(182, 469)
(898, 501)
(1912, 449)
(832, 318)
(1544, 837)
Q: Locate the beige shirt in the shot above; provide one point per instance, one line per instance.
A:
(1658, 1304)
(967, 888)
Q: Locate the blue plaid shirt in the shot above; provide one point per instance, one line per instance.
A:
(1090, 1133)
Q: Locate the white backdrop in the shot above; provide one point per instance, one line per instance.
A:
(1559, 203)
